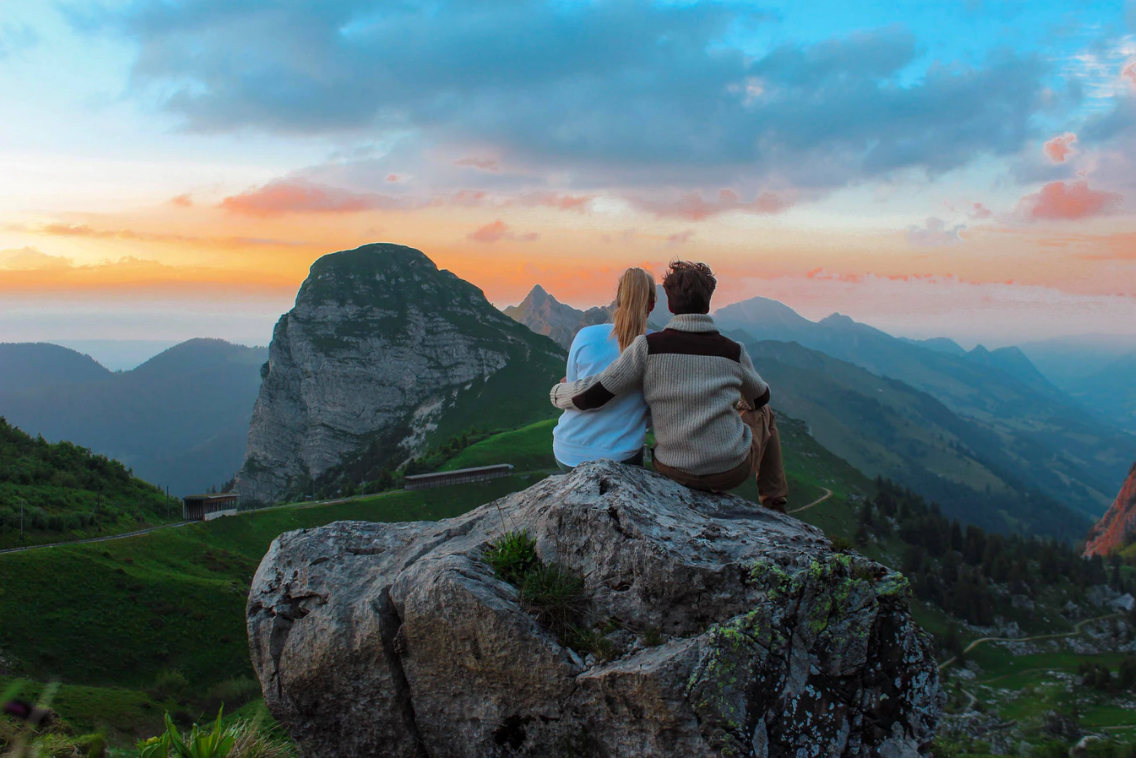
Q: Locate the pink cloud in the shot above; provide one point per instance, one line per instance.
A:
(980, 212)
(681, 238)
(693, 206)
(393, 177)
(490, 233)
(485, 164)
(185, 201)
(1060, 147)
(498, 230)
(1069, 200)
(1129, 73)
(577, 203)
(282, 196)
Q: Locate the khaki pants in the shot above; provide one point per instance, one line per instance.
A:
(763, 462)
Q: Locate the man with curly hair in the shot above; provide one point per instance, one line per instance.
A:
(713, 425)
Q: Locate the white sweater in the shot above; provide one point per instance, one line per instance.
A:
(618, 430)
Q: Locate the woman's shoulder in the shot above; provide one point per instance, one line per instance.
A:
(594, 333)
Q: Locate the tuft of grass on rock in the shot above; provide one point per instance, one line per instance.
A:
(552, 593)
(592, 641)
(512, 556)
(841, 544)
(555, 595)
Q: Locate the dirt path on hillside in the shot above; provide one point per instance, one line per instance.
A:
(100, 539)
(1078, 628)
(136, 533)
(822, 499)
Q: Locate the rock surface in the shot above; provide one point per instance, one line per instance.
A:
(1117, 528)
(379, 349)
(738, 631)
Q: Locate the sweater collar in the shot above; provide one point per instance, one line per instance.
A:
(692, 323)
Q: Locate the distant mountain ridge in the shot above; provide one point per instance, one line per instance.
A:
(26, 366)
(884, 427)
(1057, 445)
(178, 420)
(545, 315)
(1111, 391)
(382, 354)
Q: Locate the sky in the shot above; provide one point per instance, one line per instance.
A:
(962, 168)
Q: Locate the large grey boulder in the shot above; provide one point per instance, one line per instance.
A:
(739, 631)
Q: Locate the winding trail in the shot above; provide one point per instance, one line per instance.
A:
(822, 499)
(100, 539)
(1078, 628)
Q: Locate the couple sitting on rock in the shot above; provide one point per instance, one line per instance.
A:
(698, 389)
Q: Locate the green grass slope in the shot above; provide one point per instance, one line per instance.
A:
(69, 493)
(116, 615)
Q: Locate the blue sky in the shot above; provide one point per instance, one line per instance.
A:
(830, 154)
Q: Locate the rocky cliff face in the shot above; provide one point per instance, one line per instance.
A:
(380, 346)
(1117, 527)
(729, 629)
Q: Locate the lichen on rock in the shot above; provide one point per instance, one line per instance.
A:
(749, 635)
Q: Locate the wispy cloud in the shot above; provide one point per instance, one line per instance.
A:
(695, 208)
(935, 232)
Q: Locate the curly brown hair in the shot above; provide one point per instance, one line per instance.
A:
(689, 287)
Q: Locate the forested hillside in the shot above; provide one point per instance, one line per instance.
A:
(67, 492)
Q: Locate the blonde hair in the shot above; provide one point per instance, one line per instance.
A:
(633, 302)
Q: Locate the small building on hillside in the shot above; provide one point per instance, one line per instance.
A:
(204, 507)
(456, 477)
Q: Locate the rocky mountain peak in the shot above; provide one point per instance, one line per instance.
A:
(545, 315)
(1117, 528)
(698, 625)
(380, 345)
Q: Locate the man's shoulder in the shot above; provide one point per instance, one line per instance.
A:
(675, 342)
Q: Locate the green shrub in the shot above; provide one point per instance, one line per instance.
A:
(170, 684)
(234, 691)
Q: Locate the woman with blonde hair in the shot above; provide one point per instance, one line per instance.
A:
(619, 429)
